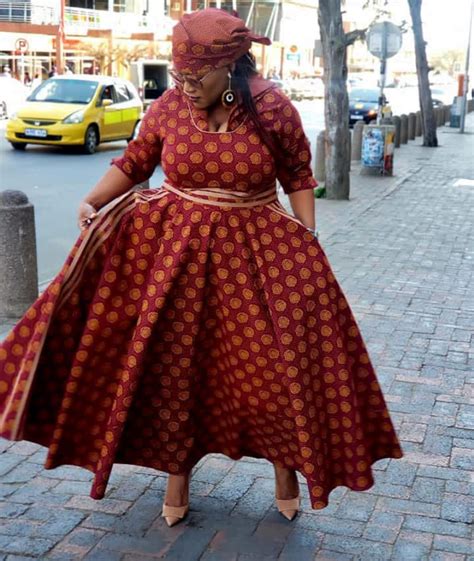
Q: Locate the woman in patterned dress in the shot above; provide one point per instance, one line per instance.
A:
(201, 317)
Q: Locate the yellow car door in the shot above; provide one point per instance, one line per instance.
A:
(130, 106)
(111, 117)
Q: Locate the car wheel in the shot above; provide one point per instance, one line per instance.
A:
(136, 128)
(91, 140)
(18, 145)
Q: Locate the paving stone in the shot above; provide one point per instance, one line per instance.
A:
(401, 472)
(458, 508)
(100, 521)
(233, 486)
(436, 526)
(259, 498)
(154, 543)
(357, 506)
(301, 544)
(76, 544)
(8, 461)
(452, 544)
(111, 506)
(11, 510)
(24, 545)
(327, 555)
(330, 524)
(462, 458)
(104, 555)
(358, 547)
(140, 516)
(408, 550)
(428, 490)
(445, 556)
(383, 526)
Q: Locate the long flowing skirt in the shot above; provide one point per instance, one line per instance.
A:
(177, 329)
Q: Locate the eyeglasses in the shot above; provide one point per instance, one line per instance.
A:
(195, 83)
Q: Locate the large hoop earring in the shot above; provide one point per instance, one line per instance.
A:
(228, 97)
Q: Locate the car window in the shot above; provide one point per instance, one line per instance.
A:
(122, 92)
(65, 91)
(131, 92)
(108, 92)
(358, 94)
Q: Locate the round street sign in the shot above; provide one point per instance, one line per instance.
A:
(21, 45)
(384, 39)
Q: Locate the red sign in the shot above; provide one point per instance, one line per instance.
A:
(21, 45)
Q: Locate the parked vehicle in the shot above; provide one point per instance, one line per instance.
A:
(363, 105)
(82, 110)
(12, 94)
(442, 96)
(151, 78)
(306, 88)
(282, 84)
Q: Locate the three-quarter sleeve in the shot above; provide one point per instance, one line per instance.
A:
(294, 170)
(143, 154)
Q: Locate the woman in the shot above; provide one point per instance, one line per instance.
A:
(201, 317)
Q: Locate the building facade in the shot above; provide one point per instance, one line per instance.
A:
(103, 36)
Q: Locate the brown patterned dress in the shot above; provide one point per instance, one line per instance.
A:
(200, 317)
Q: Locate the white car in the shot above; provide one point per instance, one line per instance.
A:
(12, 96)
(307, 88)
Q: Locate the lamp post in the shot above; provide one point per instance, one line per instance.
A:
(466, 75)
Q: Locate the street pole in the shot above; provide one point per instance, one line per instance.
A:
(383, 72)
(466, 75)
(60, 40)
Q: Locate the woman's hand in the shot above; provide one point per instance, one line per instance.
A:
(85, 216)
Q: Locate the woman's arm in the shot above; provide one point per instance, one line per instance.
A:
(302, 203)
(112, 184)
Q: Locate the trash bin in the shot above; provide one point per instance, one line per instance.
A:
(455, 117)
(378, 144)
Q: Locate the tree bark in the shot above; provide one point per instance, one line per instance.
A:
(336, 106)
(426, 103)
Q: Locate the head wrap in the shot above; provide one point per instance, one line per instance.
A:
(208, 39)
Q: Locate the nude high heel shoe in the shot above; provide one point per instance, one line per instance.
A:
(288, 508)
(174, 514)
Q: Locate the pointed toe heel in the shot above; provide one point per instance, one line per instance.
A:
(289, 508)
(174, 514)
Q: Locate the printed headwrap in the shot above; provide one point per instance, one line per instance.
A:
(208, 39)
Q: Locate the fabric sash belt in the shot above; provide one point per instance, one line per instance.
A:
(225, 197)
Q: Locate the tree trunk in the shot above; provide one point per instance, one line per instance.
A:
(422, 69)
(336, 106)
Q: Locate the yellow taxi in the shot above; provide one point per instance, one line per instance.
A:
(80, 110)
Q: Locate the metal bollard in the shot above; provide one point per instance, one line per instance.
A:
(320, 159)
(444, 113)
(18, 265)
(403, 129)
(447, 114)
(411, 126)
(397, 123)
(440, 116)
(356, 152)
(418, 124)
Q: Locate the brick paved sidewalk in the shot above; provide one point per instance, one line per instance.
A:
(403, 251)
